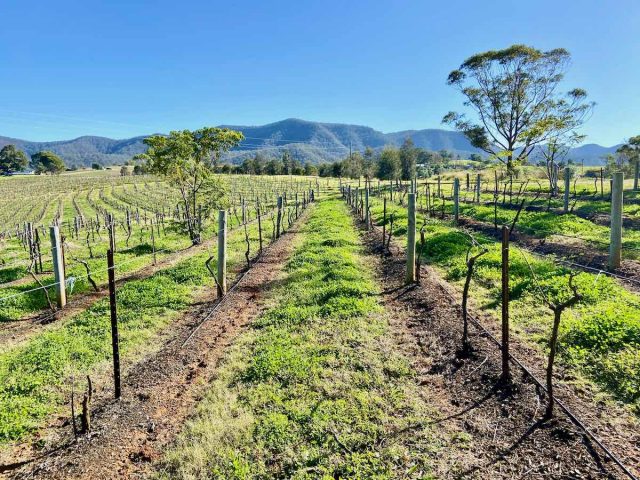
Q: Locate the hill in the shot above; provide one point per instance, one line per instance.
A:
(307, 141)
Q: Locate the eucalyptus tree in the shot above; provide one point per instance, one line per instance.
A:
(516, 100)
(389, 167)
(369, 163)
(187, 159)
(554, 154)
(12, 160)
(47, 162)
(408, 157)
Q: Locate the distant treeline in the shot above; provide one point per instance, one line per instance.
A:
(389, 163)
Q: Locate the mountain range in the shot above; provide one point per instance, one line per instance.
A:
(305, 140)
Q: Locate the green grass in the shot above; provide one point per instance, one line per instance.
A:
(132, 258)
(35, 375)
(600, 336)
(544, 224)
(316, 389)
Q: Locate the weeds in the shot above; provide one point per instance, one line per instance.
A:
(316, 388)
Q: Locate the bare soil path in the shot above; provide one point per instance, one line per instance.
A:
(160, 392)
(14, 332)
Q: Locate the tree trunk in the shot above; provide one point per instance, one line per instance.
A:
(465, 295)
(552, 356)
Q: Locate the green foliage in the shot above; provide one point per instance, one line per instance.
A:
(389, 167)
(35, 374)
(600, 336)
(513, 94)
(187, 159)
(47, 162)
(312, 389)
(12, 160)
(408, 157)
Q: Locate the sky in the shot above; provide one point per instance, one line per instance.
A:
(126, 68)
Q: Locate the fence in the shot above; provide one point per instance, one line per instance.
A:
(359, 200)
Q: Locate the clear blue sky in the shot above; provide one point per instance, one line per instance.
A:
(123, 68)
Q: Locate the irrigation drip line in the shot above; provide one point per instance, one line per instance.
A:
(584, 267)
(535, 231)
(576, 421)
(75, 278)
(80, 277)
(226, 295)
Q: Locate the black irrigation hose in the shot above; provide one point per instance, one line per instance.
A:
(576, 421)
(569, 263)
(226, 295)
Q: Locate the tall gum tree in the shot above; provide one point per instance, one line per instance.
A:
(12, 160)
(187, 159)
(514, 94)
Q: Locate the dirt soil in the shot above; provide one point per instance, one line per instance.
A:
(14, 332)
(576, 251)
(495, 432)
(160, 392)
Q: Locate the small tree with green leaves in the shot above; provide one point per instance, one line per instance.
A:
(369, 163)
(515, 96)
(47, 162)
(12, 160)
(389, 167)
(554, 154)
(408, 157)
(187, 159)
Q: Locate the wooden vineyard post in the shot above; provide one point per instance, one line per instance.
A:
(38, 252)
(222, 250)
(58, 266)
(601, 182)
(367, 220)
(279, 218)
(115, 342)
(259, 228)
(384, 221)
(505, 304)
(112, 233)
(636, 173)
(391, 189)
(567, 187)
(478, 186)
(31, 242)
(411, 240)
(456, 199)
(153, 243)
(615, 244)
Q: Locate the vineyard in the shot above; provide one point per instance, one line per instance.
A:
(319, 328)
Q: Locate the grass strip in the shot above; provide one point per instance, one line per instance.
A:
(317, 388)
(35, 375)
